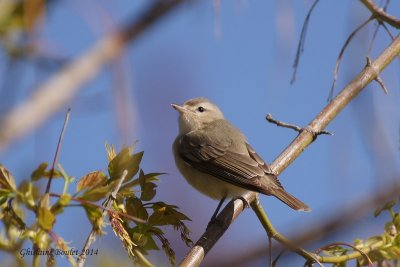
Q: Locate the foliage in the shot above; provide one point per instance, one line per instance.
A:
(134, 217)
(382, 249)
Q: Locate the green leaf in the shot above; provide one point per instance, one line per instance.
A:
(340, 264)
(125, 160)
(39, 172)
(95, 216)
(165, 214)
(396, 240)
(96, 193)
(148, 191)
(372, 240)
(63, 201)
(42, 239)
(143, 235)
(335, 251)
(3, 199)
(4, 195)
(150, 244)
(139, 238)
(91, 180)
(46, 218)
(166, 246)
(28, 194)
(6, 179)
(148, 188)
(388, 206)
(149, 177)
(396, 222)
(134, 207)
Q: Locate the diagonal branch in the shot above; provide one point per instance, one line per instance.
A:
(340, 57)
(380, 13)
(301, 142)
(56, 92)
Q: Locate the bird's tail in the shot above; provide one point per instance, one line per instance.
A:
(290, 200)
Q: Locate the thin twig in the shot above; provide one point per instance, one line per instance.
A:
(362, 253)
(294, 127)
(282, 124)
(298, 145)
(318, 231)
(390, 35)
(311, 257)
(300, 46)
(125, 215)
(92, 236)
(339, 58)
(388, 31)
(278, 257)
(55, 160)
(270, 249)
(353, 255)
(378, 79)
(379, 23)
(271, 231)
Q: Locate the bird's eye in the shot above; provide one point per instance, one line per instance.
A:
(200, 109)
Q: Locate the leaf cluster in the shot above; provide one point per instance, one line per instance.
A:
(382, 249)
(135, 217)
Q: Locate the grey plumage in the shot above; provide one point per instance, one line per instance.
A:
(215, 147)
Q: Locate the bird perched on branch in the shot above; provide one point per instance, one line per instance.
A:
(216, 159)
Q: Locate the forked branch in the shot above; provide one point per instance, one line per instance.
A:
(301, 142)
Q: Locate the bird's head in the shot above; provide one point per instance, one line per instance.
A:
(196, 113)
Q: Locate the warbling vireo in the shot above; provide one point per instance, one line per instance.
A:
(216, 159)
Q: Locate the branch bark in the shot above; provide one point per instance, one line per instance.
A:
(318, 231)
(301, 142)
(380, 14)
(56, 92)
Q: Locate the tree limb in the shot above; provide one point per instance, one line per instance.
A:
(344, 218)
(380, 14)
(301, 142)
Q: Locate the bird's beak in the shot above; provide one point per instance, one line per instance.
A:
(178, 108)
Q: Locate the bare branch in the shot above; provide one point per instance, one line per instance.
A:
(388, 31)
(56, 92)
(316, 232)
(378, 79)
(294, 127)
(379, 23)
(302, 141)
(269, 228)
(215, 231)
(380, 14)
(66, 119)
(300, 46)
(362, 253)
(339, 59)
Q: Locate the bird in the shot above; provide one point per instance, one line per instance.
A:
(216, 159)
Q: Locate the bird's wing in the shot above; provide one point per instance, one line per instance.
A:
(216, 157)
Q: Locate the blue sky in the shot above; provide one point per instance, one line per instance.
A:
(246, 70)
